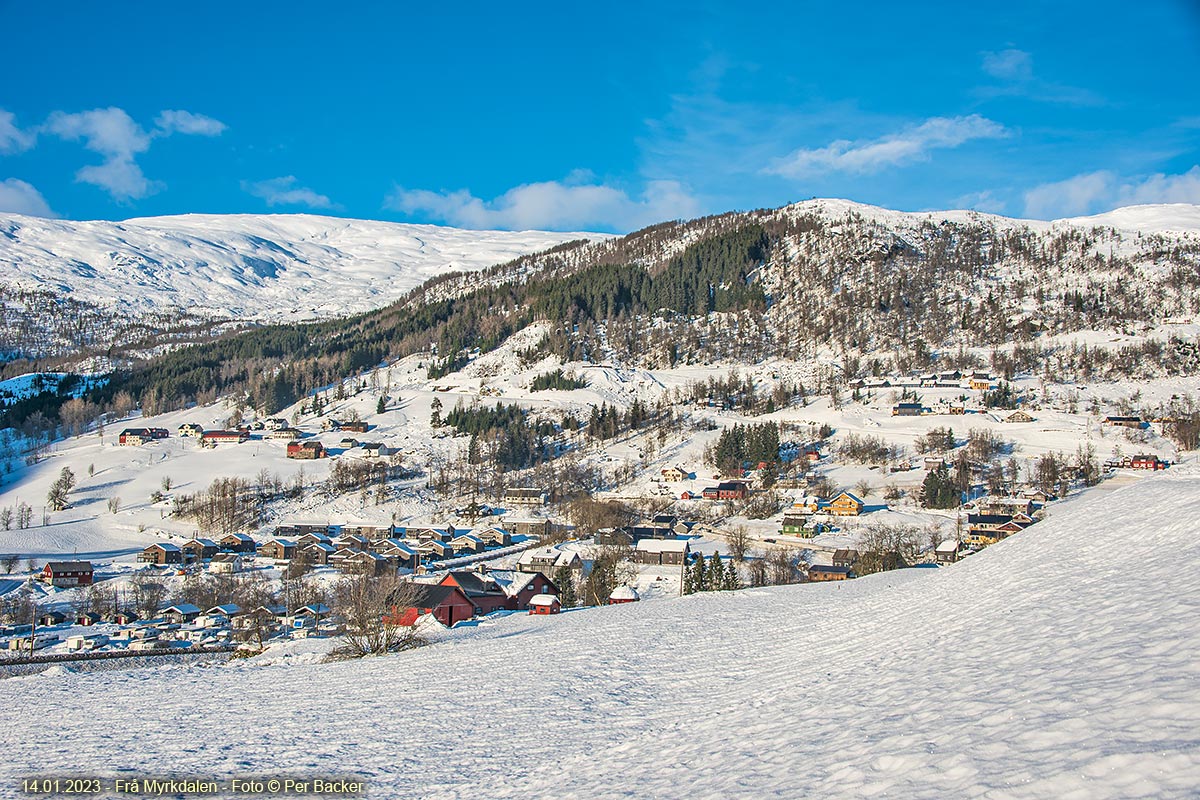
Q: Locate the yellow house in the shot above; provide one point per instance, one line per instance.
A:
(808, 504)
(675, 474)
(845, 505)
(979, 537)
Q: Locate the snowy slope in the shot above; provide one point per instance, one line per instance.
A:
(247, 266)
(1167, 217)
(1046, 666)
(1161, 218)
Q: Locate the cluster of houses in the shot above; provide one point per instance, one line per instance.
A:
(462, 594)
(995, 518)
(949, 379)
(178, 626)
(272, 429)
(920, 410)
(797, 520)
(1141, 461)
(373, 549)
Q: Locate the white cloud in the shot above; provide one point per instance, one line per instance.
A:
(186, 122)
(284, 192)
(12, 138)
(115, 135)
(1104, 190)
(552, 205)
(909, 145)
(1009, 64)
(109, 131)
(1160, 188)
(18, 197)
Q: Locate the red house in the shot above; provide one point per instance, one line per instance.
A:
(447, 604)
(68, 573)
(1147, 462)
(493, 591)
(484, 593)
(727, 490)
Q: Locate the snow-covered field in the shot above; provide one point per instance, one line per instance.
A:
(247, 266)
(1046, 666)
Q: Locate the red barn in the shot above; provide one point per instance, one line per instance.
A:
(305, 450)
(447, 604)
(68, 573)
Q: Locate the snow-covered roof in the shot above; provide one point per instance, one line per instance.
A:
(663, 546)
(624, 593)
(558, 558)
(948, 546)
(313, 608)
(183, 608)
(228, 609)
(511, 581)
(544, 600)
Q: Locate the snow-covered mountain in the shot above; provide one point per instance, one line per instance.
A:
(1058, 663)
(252, 267)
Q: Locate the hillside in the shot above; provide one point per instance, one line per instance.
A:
(863, 289)
(1058, 663)
(170, 272)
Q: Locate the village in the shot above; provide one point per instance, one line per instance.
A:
(664, 527)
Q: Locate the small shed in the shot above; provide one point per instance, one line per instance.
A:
(623, 594)
(544, 604)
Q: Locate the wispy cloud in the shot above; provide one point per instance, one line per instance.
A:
(1104, 190)
(912, 144)
(168, 122)
(985, 201)
(112, 133)
(285, 192)
(552, 205)
(1013, 71)
(1013, 65)
(12, 138)
(18, 197)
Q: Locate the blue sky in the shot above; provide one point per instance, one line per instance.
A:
(561, 116)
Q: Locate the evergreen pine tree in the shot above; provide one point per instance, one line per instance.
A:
(732, 581)
(566, 587)
(697, 576)
(715, 577)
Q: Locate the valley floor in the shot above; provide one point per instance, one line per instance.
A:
(1058, 663)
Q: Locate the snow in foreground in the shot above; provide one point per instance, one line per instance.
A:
(1059, 663)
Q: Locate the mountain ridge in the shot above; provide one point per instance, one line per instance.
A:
(246, 266)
